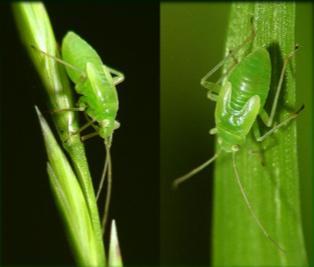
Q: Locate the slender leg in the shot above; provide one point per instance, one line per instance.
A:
(67, 109)
(109, 184)
(234, 63)
(83, 127)
(102, 180)
(257, 134)
(256, 131)
(213, 88)
(89, 123)
(89, 136)
(268, 119)
(119, 78)
(183, 178)
(92, 124)
(280, 125)
(85, 137)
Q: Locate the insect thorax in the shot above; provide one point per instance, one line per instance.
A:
(241, 98)
(250, 77)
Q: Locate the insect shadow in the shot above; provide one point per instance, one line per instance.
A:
(277, 61)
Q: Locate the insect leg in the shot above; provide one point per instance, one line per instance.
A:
(119, 76)
(104, 172)
(268, 120)
(109, 182)
(67, 109)
(248, 203)
(83, 128)
(213, 88)
(256, 131)
(183, 178)
(92, 124)
(116, 126)
(257, 134)
(102, 180)
(289, 118)
(107, 172)
(89, 136)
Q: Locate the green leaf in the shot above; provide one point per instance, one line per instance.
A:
(273, 189)
(71, 203)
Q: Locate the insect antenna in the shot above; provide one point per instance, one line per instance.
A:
(190, 174)
(231, 54)
(103, 177)
(107, 172)
(57, 59)
(248, 204)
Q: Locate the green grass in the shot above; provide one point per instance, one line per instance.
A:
(72, 188)
(273, 189)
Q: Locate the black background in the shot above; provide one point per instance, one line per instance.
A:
(126, 36)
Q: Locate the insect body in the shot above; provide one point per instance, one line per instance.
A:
(93, 81)
(240, 99)
(99, 99)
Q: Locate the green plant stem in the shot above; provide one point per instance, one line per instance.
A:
(268, 171)
(36, 30)
(71, 202)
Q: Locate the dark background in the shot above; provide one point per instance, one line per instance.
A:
(126, 36)
(192, 42)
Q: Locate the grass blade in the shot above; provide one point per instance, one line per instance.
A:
(35, 30)
(114, 257)
(71, 202)
(273, 189)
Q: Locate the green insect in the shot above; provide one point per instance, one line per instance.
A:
(240, 99)
(99, 99)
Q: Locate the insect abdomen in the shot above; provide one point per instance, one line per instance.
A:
(77, 52)
(250, 77)
(242, 98)
(99, 94)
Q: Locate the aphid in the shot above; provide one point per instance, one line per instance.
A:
(99, 99)
(240, 99)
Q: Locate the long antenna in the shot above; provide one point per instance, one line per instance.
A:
(59, 60)
(190, 174)
(103, 177)
(230, 54)
(248, 204)
(109, 183)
